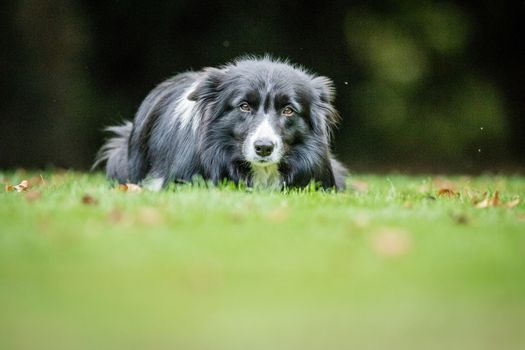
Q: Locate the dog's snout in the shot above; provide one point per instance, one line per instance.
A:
(263, 147)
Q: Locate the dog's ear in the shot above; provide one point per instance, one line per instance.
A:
(325, 89)
(325, 115)
(208, 86)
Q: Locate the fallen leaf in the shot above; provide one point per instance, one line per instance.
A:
(128, 187)
(150, 216)
(115, 215)
(447, 192)
(460, 219)
(37, 181)
(89, 200)
(32, 196)
(237, 217)
(359, 186)
(279, 214)
(485, 203)
(21, 187)
(391, 243)
(494, 201)
(513, 203)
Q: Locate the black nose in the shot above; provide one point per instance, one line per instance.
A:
(263, 147)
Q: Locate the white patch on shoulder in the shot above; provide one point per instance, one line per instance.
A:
(153, 183)
(266, 177)
(184, 110)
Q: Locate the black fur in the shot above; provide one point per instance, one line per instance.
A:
(191, 125)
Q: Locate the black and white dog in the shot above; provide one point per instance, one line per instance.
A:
(259, 121)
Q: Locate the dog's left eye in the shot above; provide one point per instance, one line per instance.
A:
(245, 107)
(287, 111)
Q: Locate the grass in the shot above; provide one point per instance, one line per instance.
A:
(388, 264)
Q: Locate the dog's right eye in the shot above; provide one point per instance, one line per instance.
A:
(245, 107)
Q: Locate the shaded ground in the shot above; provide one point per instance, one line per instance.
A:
(396, 262)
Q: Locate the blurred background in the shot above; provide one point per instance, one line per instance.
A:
(422, 86)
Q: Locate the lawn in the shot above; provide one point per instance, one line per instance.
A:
(395, 262)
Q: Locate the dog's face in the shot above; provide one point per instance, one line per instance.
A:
(267, 119)
(266, 109)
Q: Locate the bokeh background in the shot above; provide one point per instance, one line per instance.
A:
(422, 85)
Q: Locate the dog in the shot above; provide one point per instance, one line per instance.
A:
(259, 121)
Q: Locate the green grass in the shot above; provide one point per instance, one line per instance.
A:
(390, 266)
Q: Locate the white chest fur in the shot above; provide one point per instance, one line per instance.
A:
(266, 177)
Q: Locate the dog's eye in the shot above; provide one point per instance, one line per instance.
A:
(287, 111)
(245, 107)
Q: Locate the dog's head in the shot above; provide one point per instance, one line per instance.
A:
(265, 110)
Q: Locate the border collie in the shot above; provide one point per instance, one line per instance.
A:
(258, 121)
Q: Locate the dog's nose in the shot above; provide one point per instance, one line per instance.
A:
(263, 147)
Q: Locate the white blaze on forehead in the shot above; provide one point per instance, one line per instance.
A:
(184, 110)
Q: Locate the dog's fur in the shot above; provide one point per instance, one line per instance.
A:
(206, 124)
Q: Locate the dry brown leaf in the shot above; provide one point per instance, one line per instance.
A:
(115, 215)
(279, 214)
(494, 201)
(359, 186)
(37, 181)
(447, 192)
(21, 187)
(485, 203)
(89, 200)
(391, 243)
(460, 219)
(128, 187)
(150, 216)
(237, 217)
(513, 203)
(32, 196)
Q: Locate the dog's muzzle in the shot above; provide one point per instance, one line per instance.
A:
(264, 145)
